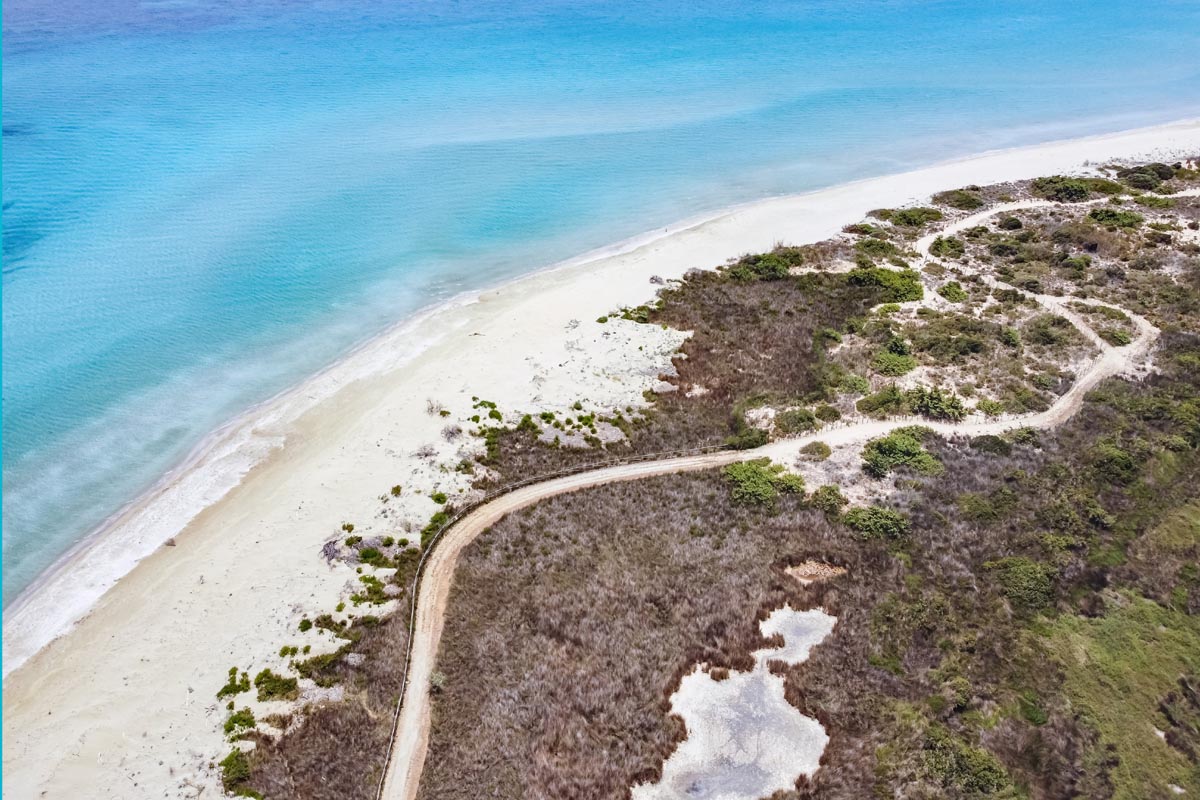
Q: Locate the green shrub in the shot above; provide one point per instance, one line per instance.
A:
(235, 768)
(1115, 337)
(747, 438)
(953, 292)
(875, 522)
(759, 482)
(234, 685)
(275, 687)
(888, 400)
(829, 498)
(936, 404)
(818, 451)
(992, 408)
(241, 720)
(1073, 190)
(1146, 177)
(854, 384)
(960, 765)
(987, 443)
(1027, 704)
(901, 447)
(1028, 584)
(961, 199)
(796, 420)
(1009, 223)
(1049, 329)
(1153, 201)
(1061, 189)
(439, 498)
(915, 217)
(893, 364)
(396, 490)
(1114, 463)
(372, 556)
(873, 248)
(827, 413)
(1116, 217)
(373, 591)
(305, 624)
(1010, 337)
(948, 247)
(435, 524)
(762, 266)
(899, 286)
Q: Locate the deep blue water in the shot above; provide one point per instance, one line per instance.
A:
(205, 201)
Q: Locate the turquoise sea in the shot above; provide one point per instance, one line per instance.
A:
(206, 200)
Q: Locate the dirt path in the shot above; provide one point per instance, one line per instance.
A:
(407, 755)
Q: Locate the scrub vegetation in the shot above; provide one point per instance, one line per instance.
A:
(997, 589)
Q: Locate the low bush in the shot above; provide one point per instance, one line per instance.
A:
(829, 498)
(795, 420)
(899, 286)
(235, 768)
(827, 413)
(275, 687)
(992, 408)
(239, 721)
(892, 364)
(962, 199)
(818, 451)
(915, 217)
(888, 400)
(1116, 218)
(900, 448)
(876, 522)
(759, 482)
(948, 247)
(962, 766)
(764, 266)
(953, 292)
(1027, 584)
(235, 685)
(1115, 337)
(935, 403)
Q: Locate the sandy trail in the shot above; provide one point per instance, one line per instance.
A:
(407, 756)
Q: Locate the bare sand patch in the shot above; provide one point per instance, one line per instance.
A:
(745, 740)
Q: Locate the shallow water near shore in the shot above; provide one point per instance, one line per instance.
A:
(205, 202)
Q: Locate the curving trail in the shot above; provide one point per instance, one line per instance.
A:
(407, 755)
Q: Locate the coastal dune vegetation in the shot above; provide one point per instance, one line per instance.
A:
(974, 576)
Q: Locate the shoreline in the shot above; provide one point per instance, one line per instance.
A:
(286, 405)
(298, 455)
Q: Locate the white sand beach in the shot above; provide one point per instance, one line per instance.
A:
(122, 703)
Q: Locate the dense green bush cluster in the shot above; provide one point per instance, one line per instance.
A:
(935, 403)
(914, 217)
(1028, 584)
(1146, 177)
(796, 420)
(876, 522)
(770, 266)
(235, 685)
(900, 448)
(275, 687)
(962, 199)
(1073, 190)
(948, 247)
(899, 286)
(953, 291)
(961, 766)
(1115, 217)
(759, 482)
